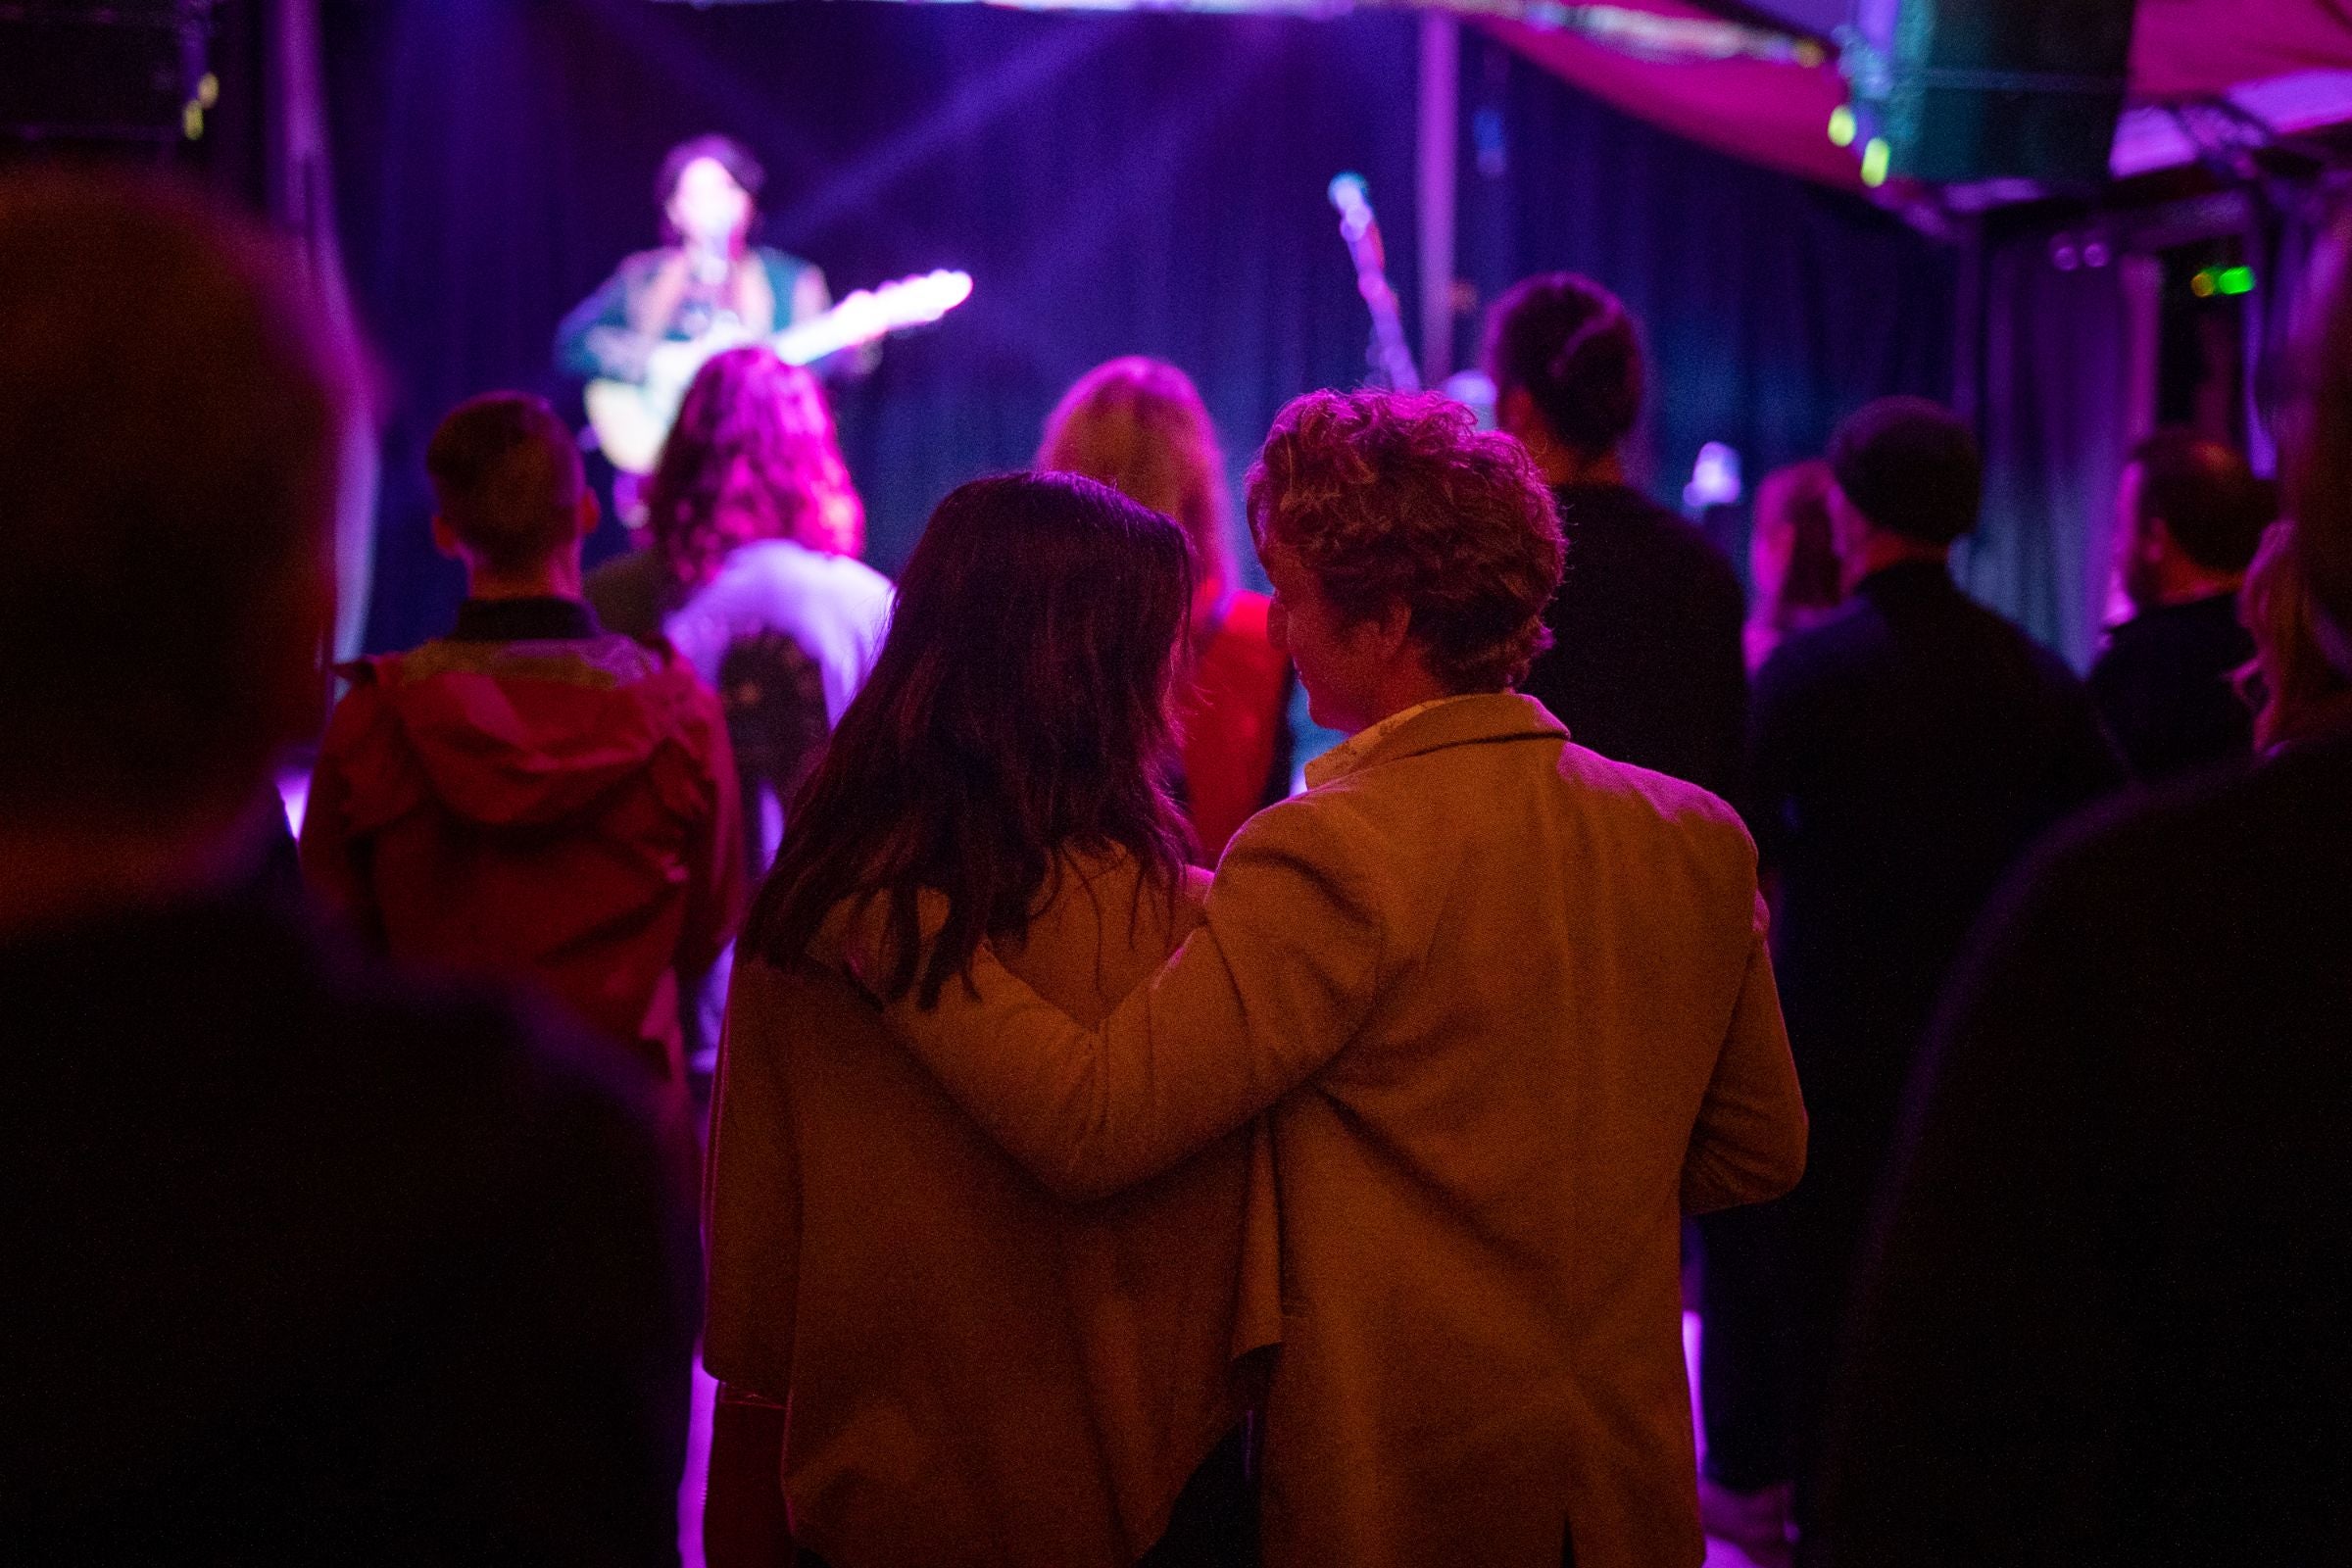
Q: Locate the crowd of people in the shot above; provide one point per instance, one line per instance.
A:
(1115, 1157)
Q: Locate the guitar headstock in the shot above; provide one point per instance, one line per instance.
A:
(915, 300)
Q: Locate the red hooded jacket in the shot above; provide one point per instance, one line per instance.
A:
(561, 811)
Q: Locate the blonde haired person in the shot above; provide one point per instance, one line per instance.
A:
(1139, 426)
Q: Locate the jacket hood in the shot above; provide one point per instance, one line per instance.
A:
(521, 733)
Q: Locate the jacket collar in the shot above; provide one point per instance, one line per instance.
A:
(539, 619)
(1473, 720)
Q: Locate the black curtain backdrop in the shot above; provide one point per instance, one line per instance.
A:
(1114, 183)
(1771, 307)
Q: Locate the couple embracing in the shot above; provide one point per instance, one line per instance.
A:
(1045, 1170)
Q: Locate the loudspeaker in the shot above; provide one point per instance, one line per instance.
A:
(1999, 89)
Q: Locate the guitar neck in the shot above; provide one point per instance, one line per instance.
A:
(807, 342)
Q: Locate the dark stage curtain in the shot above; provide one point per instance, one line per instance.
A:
(1114, 183)
(2069, 385)
(1772, 307)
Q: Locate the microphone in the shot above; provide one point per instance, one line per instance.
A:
(707, 258)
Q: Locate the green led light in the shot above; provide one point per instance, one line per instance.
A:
(1843, 127)
(2233, 281)
(1874, 160)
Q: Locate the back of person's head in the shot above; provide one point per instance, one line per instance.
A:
(1909, 467)
(1393, 498)
(753, 456)
(2206, 496)
(1794, 555)
(1018, 712)
(1139, 426)
(507, 480)
(1573, 348)
(172, 428)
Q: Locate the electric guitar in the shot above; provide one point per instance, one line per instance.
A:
(632, 418)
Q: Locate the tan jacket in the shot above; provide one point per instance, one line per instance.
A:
(976, 1372)
(1512, 1007)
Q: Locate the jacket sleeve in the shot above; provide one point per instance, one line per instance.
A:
(1278, 978)
(1749, 1143)
(718, 872)
(334, 864)
(752, 1180)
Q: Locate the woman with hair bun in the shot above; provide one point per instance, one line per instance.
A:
(1139, 426)
(1645, 663)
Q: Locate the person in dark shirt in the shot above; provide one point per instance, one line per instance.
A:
(2188, 516)
(2103, 1324)
(303, 1264)
(1644, 664)
(1905, 753)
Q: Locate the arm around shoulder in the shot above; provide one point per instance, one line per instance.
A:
(1276, 980)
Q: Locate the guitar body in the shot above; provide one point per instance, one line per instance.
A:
(632, 418)
(630, 425)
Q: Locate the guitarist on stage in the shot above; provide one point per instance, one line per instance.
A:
(707, 278)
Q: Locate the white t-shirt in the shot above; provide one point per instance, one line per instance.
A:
(836, 609)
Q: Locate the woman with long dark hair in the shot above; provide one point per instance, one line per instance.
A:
(958, 1367)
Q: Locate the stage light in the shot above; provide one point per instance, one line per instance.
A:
(1842, 126)
(2225, 281)
(1875, 160)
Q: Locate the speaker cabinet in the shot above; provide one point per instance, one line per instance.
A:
(2000, 89)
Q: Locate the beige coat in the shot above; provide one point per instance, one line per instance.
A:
(1512, 1007)
(976, 1372)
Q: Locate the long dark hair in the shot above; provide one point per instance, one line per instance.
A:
(1018, 712)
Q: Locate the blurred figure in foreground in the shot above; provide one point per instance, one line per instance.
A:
(1139, 426)
(2105, 1320)
(297, 1252)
